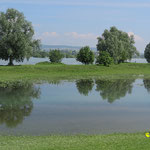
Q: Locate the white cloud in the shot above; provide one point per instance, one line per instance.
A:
(137, 38)
(81, 36)
(48, 35)
(70, 38)
(140, 43)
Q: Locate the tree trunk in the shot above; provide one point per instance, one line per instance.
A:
(10, 62)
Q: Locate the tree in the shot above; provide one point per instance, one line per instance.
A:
(104, 58)
(147, 53)
(55, 56)
(85, 55)
(118, 44)
(16, 37)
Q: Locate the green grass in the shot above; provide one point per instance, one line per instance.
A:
(132, 141)
(40, 72)
(10, 75)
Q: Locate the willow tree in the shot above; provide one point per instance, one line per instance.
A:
(16, 37)
(118, 44)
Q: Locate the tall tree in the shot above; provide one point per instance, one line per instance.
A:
(118, 44)
(147, 53)
(16, 37)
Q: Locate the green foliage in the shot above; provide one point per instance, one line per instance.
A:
(55, 56)
(118, 44)
(40, 53)
(104, 58)
(147, 53)
(16, 37)
(69, 53)
(85, 56)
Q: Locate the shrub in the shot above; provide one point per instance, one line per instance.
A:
(104, 58)
(85, 56)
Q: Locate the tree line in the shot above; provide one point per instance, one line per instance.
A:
(17, 43)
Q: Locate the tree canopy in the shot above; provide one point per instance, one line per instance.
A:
(118, 44)
(16, 37)
(85, 55)
(147, 53)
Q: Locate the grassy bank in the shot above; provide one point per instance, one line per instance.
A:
(9, 74)
(135, 141)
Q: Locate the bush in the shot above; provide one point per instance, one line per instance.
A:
(104, 58)
(55, 56)
(85, 56)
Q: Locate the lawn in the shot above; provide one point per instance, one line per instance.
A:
(130, 141)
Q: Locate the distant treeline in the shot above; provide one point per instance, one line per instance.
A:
(44, 53)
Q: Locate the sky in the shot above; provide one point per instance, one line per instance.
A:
(80, 22)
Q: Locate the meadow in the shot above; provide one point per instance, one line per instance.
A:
(132, 141)
(10, 75)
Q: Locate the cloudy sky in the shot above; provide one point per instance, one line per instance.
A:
(80, 22)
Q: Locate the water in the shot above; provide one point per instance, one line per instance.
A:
(68, 61)
(33, 61)
(138, 60)
(76, 107)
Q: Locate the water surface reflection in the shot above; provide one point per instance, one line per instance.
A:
(86, 106)
(16, 103)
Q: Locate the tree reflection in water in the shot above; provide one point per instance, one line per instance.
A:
(16, 103)
(84, 86)
(112, 90)
(147, 84)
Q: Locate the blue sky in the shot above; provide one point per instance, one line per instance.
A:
(80, 22)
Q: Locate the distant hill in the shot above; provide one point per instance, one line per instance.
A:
(63, 47)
